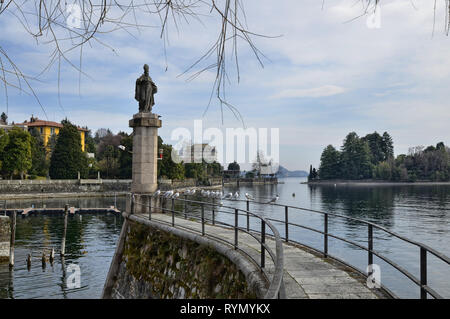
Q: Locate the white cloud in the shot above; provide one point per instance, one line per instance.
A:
(325, 90)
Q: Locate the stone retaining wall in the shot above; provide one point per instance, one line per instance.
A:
(63, 186)
(160, 264)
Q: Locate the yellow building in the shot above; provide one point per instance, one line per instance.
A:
(48, 128)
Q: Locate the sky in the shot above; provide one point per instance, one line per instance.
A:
(324, 75)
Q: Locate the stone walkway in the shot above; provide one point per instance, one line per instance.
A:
(306, 276)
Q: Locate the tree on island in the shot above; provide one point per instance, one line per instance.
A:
(356, 163)
(67, 158)
(373, 157)
(330, 163)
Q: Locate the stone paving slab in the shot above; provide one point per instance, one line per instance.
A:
(306, 276)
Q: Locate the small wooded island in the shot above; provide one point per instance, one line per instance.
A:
(371, 159)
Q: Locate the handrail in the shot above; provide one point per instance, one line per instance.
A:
(424, 249)
(429, 249)
(276, 284)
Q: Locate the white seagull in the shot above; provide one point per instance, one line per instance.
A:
(273, 200)
(228, 196)
(176, 195)
(156, 194)
(248, 196)
(168, 194)
(236, 195)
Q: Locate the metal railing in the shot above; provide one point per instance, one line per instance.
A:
(276, 286)
(421, 282)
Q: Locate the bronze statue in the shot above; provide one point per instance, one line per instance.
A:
(145, 90)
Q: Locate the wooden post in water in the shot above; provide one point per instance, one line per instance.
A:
(13, 238)
(63, 244)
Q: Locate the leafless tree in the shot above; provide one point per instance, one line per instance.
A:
(70, 26)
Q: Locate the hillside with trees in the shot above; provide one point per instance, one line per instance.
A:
(372, 157)
(24, 154)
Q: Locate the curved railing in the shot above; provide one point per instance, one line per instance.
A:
(276, 287)
(422, 282)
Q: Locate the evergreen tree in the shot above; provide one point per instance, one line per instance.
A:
(167, 167)
(356, 162)
(329, 163)
(376, 146)
(3, 118)
(67, 158)
(234, 167)
(387, 146)
(125, 158)
(314, 173)
(17, 153)
(89, 142)
(40, 163)
(4, 140)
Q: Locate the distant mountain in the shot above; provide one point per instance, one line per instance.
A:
(283, 172)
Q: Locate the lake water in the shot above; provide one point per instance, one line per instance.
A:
(421, 213)
(417, 212)
(90, 244)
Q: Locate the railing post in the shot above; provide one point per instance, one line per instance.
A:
(203, 219)
(66, 213)
(185, 206)
(236, 224)
(248, 215)
(150, 198)
(263, 241)
(286, 222)
(132, 204)
(13, 238)
(423, 272)
(173, 212)
(213, 217)
(370, 239)
(325, 236)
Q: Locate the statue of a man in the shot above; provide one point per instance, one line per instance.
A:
(145, 89)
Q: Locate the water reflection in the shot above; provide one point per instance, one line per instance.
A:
(421, 213)
(374, 204)
(90, 244)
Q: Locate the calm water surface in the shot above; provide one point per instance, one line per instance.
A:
(421, 213)
(90, 245)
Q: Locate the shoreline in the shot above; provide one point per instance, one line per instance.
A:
(43, 196)
(374, 183)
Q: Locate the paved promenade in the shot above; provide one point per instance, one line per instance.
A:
(306, 276)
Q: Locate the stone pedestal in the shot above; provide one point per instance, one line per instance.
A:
(145, 152)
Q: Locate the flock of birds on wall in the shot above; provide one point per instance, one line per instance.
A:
(170, 194)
